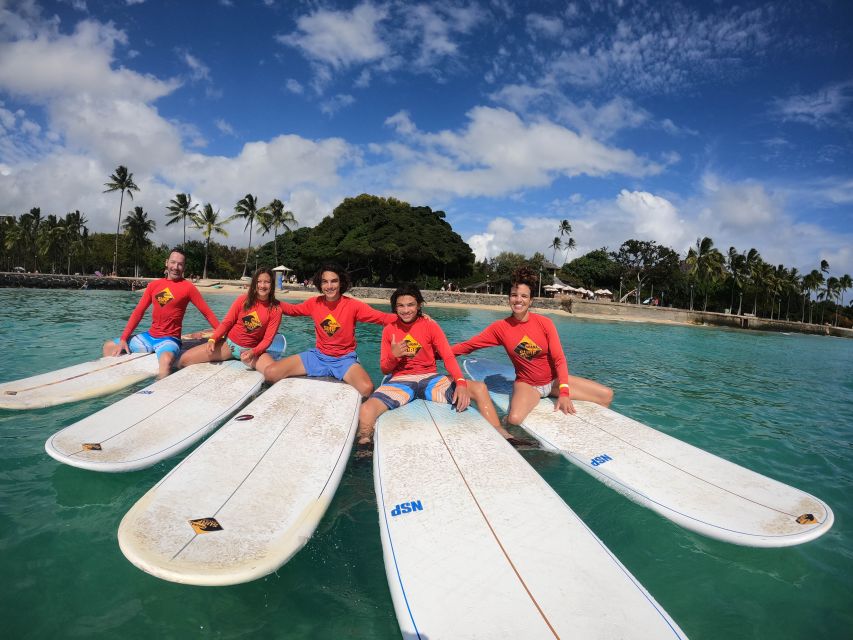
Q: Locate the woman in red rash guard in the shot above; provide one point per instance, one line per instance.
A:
(335, 316)
(407, 353)
(248, 331)
(533, 345)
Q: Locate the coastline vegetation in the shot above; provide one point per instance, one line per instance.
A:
(383, 241)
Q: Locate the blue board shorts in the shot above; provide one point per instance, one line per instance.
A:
(276, 349)
(319, 364)
(396, 392)
(146, 343)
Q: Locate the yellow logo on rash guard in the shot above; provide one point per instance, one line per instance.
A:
(527, 349)
(251, 321)
(412, 345)
(330, 325)
(164, 297)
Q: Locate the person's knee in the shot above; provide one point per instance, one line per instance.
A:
(514, 417)
(364, 387)
(273, 373)
(606, 397)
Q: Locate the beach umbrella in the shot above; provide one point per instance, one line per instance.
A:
(603, 292)
(282, 268)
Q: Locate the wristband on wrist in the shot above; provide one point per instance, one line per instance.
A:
(462, 381)
(211, 340)
(564, 389)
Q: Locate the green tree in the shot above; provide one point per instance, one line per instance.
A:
(182, 208)
(247, 209)
(209, 222)
(75, 222)
(137, 226)
(706, 265)
(569, 245)
(642, 259)
(812, 283)
(844, 283)
(594, 269)
(121, 180)
(276, 217)
(556, 245)
(830, 292)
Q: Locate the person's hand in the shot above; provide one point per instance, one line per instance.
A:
(564, 404)
(246, 356)
(399, 349)
(461, 397)
(426, 316)
(211, 346)
(120, 348)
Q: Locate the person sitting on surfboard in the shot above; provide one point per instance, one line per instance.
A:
(409, 345)
(533, 345)
(169, 297)
(335, 316)
(248, 331)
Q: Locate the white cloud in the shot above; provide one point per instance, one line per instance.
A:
(822, 108)
(544, 26)
(499, 153)
(340, 38)
(331, 106)
(198, 70)
(224, 127)
(294, 86)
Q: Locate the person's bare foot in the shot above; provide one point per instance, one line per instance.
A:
(364, 448)
(522, 443)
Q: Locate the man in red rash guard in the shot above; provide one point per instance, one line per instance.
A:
(169, 297)
(533, 345)
(335, 316)
(408, 354)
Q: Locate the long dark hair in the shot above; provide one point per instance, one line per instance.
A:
(338, 270)
(524, 275)
(252, 295)
(407, 289)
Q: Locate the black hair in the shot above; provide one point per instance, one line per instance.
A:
(338, 270)
(407, 289)
(252, 295)
(524, 275)
(177, 250)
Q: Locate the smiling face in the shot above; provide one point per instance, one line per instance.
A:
(520, 298)
(264, 286)
(175, 266)
(330, 285)
(407, 308)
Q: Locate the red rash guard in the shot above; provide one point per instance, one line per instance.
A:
(423, 338)
(334, 322)
(170, 299)
(252, 328)
(533, 347)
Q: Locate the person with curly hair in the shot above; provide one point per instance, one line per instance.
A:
(533, 346)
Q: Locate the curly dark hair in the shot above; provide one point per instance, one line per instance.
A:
(407, 289)
(524, 275)
(335, 268)
(252, 295)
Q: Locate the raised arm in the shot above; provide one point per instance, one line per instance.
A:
(296, 310)
(365, 313)
(486, 338)
(201, 305)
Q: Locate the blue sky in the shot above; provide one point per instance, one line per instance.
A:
(661, 121)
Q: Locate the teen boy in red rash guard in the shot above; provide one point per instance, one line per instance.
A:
(408, 354)
(335, 316)
(169, 297)
(533, 345)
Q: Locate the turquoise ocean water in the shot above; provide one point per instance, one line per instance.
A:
(779, 404)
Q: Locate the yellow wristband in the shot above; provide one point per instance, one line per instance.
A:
(564, 386)
(211, 340)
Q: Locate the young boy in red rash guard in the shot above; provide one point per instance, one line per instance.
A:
(169, 298)
(335, 316)
(533, 345)
(407, 353)
(248, 331)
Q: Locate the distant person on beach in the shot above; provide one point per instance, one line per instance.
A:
(409, 345)
(533, 345)
(249, 330)
(335, 316)
(169, 298)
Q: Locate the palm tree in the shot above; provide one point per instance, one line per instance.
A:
(556, 245)
(180, 208)
(792, 285)
(121, 180)
(844, 283)
(829, 293)
(247, 208)
(275, 216)
(565, 230)
(706, 264)
(49, 239)
(138, 225)
(209, 223)
(734, 264)
(74, 223)
(812, 283)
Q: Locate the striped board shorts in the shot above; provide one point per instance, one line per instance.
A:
(400, 390)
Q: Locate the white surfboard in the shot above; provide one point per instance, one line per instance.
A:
(158, 421)
(693, 488)
(244, 502)
(478, 545)
(78, 382)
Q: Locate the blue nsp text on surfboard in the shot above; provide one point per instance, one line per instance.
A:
(597, 460)
(407, 507)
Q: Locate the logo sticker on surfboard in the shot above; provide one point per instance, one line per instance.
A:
(205, 525)
(406, 507)
(92, 446)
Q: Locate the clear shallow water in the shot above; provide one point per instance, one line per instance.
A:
(781, 405)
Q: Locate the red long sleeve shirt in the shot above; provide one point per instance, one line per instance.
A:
(252, 328)
(334, 322)
(423, 338)
(533, 347)
(169, 299)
